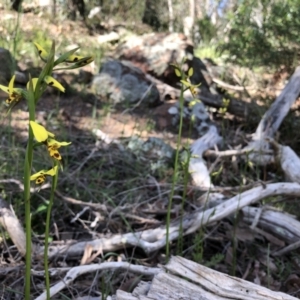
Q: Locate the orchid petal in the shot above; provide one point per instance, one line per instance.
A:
(53, 82)
(40, 133)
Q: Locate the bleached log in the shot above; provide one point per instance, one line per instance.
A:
(12, 225)
(241, 200)
(188, 280)
(280, 224)
(272, 120)
(197, 165)
(237, 107)
(274, 116)
(290, 163)
(282, 227)
(154, 239)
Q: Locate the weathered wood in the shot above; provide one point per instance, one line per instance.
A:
(220, 284)
(75, 272)
(197, 165)
(188, 280)
(272, 120)
(280, 224)
(288, 159)
(277, 226)
(274, 116)
(242, 200)
(153, 239)
(12, 225)
(236, 107)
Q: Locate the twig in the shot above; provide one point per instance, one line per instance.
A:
(79, 202)
(79, 270)
(21, 186)
(287, 249)
(231, 152)
(232, 87)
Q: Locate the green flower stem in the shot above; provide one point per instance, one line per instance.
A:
(175, 174)
(27, 172)
(184, 195)
(47, 231)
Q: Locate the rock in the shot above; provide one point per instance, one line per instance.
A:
(21, 77)
(120, 81)
(7, 66)
(153, 53)
(158, 153)
(194, 112)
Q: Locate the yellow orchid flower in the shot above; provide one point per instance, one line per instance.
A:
(53, 82)
(49, 80)
(79, 60)
(40, 176)
(43, 136)
(73, 58)
(34, 82)
(42, 52)
(84, 61)
(53, 145)
(14, 94)
(40, 133)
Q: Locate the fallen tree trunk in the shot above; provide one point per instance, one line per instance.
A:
(272, 120)
(236, 107)
(185, 279)
(151, 240)
(12, 225)
(274, 116)
(197, 165)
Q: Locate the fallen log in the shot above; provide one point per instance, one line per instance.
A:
(184, 279)
(151, 240)
(239, 108)
(13, 226)
(272, 120)
(236, 107)
(197, 165)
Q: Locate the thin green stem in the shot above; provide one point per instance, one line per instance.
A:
(47, 232)
(185, 190)
(175, 174)
(27, 172)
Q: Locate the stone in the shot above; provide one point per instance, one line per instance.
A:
(122, 82)
(7, 66)
(155, 52)
(194, 112)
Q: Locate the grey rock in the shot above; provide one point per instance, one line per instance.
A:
(192, 110)
(7, 66)
(155, 52)
(120, 81)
